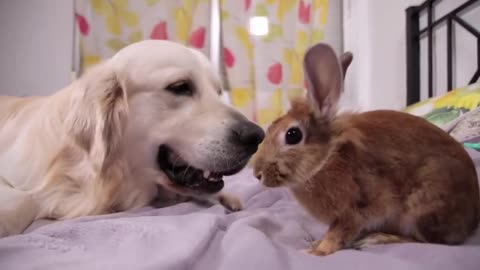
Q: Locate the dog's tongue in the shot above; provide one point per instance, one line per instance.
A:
(181, 173)
(193, 178)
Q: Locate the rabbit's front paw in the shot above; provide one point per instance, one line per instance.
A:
(323, 248)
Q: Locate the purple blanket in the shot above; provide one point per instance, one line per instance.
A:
(269, 234)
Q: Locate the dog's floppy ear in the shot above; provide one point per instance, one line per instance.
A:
(107, 101)
(113, 116)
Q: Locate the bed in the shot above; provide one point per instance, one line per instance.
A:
(270, 233)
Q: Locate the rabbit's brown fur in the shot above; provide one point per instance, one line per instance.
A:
(378, 171)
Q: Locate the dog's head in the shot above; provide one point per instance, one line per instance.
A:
(164, 110)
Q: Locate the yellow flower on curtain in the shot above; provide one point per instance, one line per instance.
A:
(152, 2)
(241, 97)
(317, 35)
(294, 57)
(244, 38)
(116, 44)
(284, 6)
(295, 92)
(183, 19)
(323, 5)
(274, 29)
(269, 114)
(115, 12)
(90, 60)
(135, 36)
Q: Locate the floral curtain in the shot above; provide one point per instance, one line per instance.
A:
(264, 72)
(106, 26)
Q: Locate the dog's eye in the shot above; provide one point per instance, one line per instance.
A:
(183, 88)
(293, 136)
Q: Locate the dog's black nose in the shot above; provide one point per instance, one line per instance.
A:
(248, 134)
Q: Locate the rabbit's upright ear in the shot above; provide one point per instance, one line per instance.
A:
(324, 72)
(345, 60)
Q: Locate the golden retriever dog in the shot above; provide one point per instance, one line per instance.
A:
(150, 118)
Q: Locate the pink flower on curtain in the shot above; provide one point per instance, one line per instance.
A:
(228, 57)
(304, 12)
(275, 73)
(197, 39)
(248, 3)
(82, 24)
(159, 31)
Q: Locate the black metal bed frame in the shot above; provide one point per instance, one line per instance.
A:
(415, 34)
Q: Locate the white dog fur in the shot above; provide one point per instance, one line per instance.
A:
(91, 147)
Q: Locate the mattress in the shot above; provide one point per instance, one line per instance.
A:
(271, 233)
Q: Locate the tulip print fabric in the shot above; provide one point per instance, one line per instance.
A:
(264, 72)
(106, 26)
(445, 111)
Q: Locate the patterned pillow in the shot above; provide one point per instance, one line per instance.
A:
(447, 110)
(467, 130)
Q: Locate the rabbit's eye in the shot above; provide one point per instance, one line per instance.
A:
(293, 136)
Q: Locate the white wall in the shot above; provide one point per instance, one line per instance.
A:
(36, 46)
(464, 46)
(374, 30)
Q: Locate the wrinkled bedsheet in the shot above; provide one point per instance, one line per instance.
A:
(270, 233)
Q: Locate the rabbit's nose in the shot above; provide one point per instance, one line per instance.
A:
(259, 176)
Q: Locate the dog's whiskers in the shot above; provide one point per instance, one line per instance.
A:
(214, 160)
(185, 171)
(175, 163)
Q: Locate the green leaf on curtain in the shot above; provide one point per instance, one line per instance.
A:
(295, 92)
(183, 20)
(244, 38)
(90, 60)
(115, 44)
(130, 18)
(225, 15)
(261, 10)
(285, 6)
(135, 36)
(114, 25)
(276, 31)
(101, 7)
(301, 43)
(317, 35)
(189, 4)
(152, 2)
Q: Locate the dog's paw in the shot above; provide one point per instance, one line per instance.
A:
(230, 202)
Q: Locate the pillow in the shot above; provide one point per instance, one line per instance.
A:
(447, 110)
(467, 130)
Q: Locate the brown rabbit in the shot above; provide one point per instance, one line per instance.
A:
(365, 173)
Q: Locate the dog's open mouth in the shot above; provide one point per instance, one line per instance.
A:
(184, 175)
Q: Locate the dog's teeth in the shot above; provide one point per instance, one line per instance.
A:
(206, 174)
